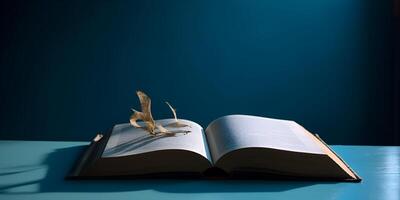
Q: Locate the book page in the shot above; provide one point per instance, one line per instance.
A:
(127, 140)
(234, 132)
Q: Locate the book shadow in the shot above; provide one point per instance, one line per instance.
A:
(133, 144)
(59, 162)
(141, 141)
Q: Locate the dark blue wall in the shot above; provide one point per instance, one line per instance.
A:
(71, 68)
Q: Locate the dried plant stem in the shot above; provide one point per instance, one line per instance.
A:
(177, 123)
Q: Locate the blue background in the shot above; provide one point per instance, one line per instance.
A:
(71, 68)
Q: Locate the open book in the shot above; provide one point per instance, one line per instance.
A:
(233, 146)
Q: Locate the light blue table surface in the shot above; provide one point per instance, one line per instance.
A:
(36, 169)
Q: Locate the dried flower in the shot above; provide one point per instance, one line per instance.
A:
(146, 116)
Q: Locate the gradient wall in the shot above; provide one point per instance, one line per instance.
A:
(71, 68)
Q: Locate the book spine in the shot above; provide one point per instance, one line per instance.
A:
(86, 157)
